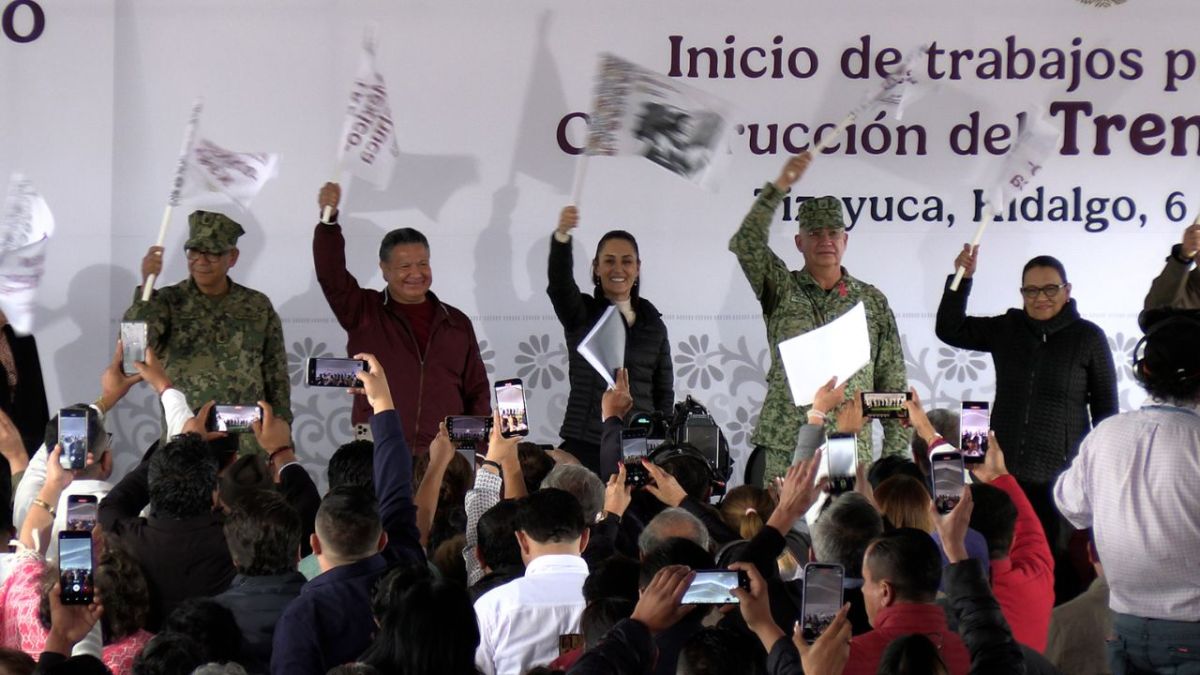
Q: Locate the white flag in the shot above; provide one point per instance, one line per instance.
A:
(25, 226)
(368, 148)
(637, 111)
(904, 84)
(189, 137)
(1024, 161)
(236, 175)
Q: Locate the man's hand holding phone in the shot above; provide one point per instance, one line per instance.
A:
(755, 606)
(658, 608)
(375, 385)
(153, 373)
(665, 488)
(993, 465)
(952, 527)
(199, 424)
(114, 383)
(617, 495)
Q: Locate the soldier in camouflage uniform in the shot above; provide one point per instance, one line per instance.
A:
(796, 302)
(219, 341)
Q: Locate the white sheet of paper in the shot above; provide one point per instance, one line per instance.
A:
(604, 345)
(840, 347)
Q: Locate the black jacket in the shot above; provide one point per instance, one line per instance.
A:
(647, 351)
(257, 603)
(1049, 375)
(27, 404)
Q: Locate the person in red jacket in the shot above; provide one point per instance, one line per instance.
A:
(902, 571)
(1022, 565)
(420, 340)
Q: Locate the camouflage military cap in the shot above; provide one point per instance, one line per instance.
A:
(212, 232)
(821, 213)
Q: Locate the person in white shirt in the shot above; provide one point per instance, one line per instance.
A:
(524, 623)
(1134, 483)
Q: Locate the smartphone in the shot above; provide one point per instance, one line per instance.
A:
(841, 461)
(330, 372)
(233, 419)
(634, 448)
(81, 513)
(946, 471)
(885, 405)
(133, 345)
(974, 420)
(510, 401)
(822, 598)
(75, 568)
(468, 428)
(715, 587)
(73, 437)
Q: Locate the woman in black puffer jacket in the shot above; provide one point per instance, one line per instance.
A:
(615, 274)
(1054, 374)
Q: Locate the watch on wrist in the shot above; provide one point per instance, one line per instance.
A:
(1177, 254)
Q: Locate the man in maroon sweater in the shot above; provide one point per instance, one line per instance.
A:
(902, 571)
(426, 346)
(1022, 565)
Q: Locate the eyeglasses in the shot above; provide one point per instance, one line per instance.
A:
(194, 254)
(1050, 291)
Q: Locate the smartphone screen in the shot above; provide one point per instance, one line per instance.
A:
(822, 598)
(330, 372)
(81, 513)
(72, 436)
(634, 448)
(884, 405)
(841, 461)
(973, 422)
(510, 401)
(133, 345)
(468, 428)
(234, 419)
(948, 480)
(75, 567)
(714, 587)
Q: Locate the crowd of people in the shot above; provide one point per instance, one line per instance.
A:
(217, 554)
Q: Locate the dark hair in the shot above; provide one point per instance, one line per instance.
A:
(674, 551)
(211, 624)
(244, 477)
(348, 524)
(609, 236)
(170, 653)
(353, 464)
(613, 577)
(946, 423)
(457, 480)
(1045, 261)
(392, 586)
(495, 535)
(1167, 364)
(893, 465)
(908, 559)
(182, 478)
(913, 654)
(550, 516)
(431, 629)
(223, 449)
(995, 517)
(536, 464)
(600, 616)
(354, 669)
(842, 533)
(447, 558)
(720, 651)
(95, 430)
(120, 581)
(16, 662)
(400, 237)
(263, 534)
(691, 473)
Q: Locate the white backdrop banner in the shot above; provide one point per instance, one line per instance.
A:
(489, 107)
